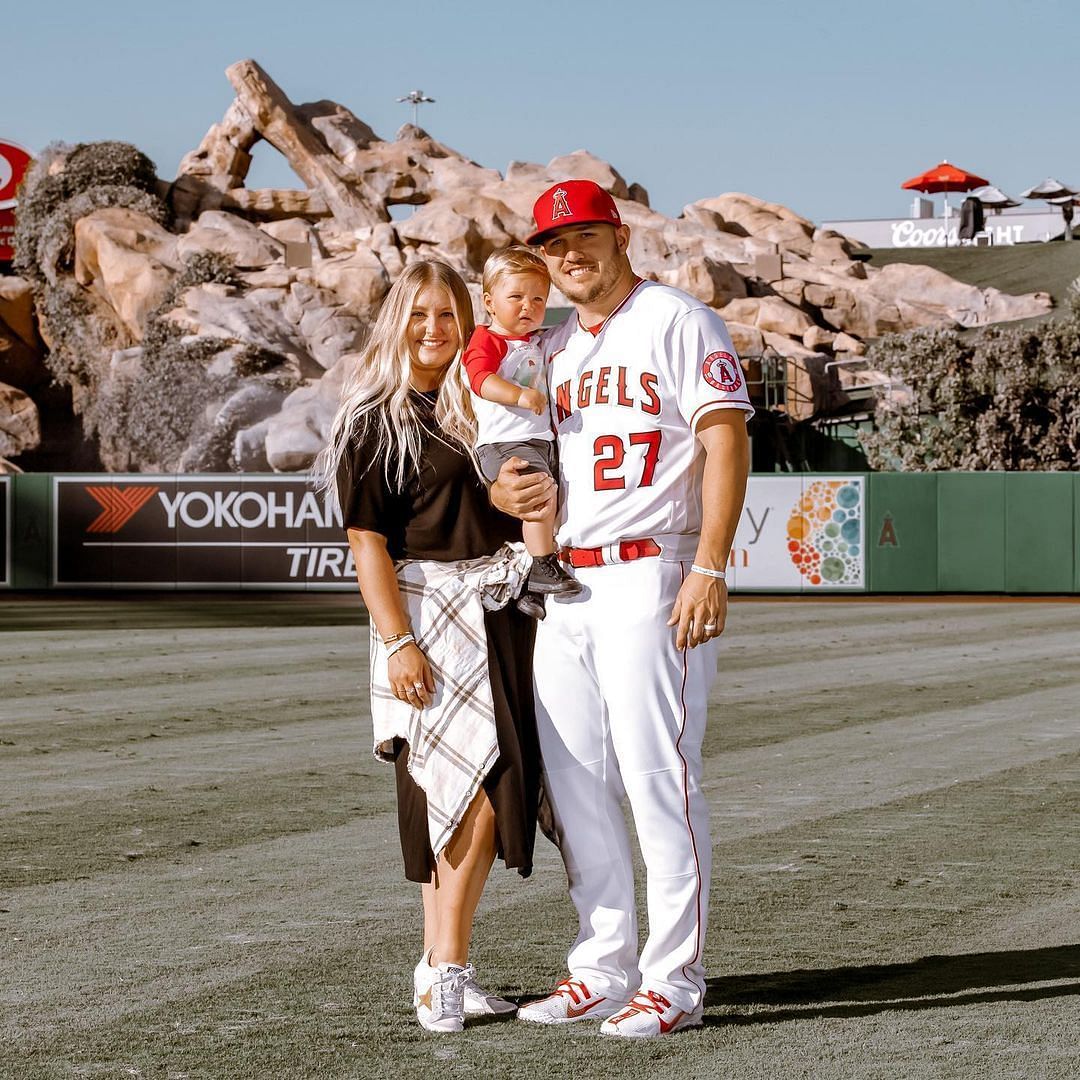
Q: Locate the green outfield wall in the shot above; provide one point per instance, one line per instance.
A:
(800, 533)
(973, 532)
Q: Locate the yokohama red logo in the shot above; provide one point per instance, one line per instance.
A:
(721, 370)
(119, 506)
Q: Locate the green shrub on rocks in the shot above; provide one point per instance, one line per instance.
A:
(82, 340)
(64, 184)
(169, 408)
(162, 404)
(56, 242)
(39, 196)
(100, 174)
(200, 268)
(90, 165)
(1005, 398)
(255, 360)
(153, 416)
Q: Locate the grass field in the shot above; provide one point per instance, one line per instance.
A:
(1013, 268)
(200, 879)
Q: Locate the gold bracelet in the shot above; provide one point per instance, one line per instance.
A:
(402, 642)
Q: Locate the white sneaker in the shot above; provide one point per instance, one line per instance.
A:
(648, 1016)
(569, 1002)
(481, 1002)
(439, 994)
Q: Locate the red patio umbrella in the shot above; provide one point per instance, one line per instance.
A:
(944, 178)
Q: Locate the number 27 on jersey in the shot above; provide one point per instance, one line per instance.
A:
(611, 467)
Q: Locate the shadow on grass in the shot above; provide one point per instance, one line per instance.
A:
(930, 983)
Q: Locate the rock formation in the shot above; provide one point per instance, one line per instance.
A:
(22, 371)
(203, 325)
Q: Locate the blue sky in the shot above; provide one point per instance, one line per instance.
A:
(825, 105)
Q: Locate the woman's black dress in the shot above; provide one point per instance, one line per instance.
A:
(444, 514)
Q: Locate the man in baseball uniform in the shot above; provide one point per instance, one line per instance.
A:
(649, 408)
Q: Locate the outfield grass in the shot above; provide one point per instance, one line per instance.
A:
(1015, 268)
(200, 879)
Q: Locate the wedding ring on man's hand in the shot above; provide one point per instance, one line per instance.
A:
(709, 626)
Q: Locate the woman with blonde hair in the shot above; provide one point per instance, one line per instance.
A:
(451, 678)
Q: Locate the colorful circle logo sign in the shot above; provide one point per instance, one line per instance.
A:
(825, 533)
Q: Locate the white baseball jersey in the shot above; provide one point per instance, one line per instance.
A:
(517, 360)
(620, 710)
(625, 399)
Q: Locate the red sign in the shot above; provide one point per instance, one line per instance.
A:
(7, 235)
(14, 161)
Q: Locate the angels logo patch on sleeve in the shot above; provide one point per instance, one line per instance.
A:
(721, 370)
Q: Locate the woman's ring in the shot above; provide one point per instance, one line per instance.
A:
(418, 686)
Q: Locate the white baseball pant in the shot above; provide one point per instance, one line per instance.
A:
(621, 714)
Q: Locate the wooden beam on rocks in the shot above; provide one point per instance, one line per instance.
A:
(225, 150)
(282, 125)
(276, 204)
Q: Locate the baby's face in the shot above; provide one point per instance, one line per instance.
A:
(516, 303)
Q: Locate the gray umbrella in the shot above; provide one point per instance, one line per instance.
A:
(1055, 193)
(993, 198)
(1048, 189)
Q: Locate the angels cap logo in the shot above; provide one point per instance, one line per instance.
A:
(721, 370)
(559, 206)
(119, 505)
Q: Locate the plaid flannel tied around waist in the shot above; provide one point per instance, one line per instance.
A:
(452, 741)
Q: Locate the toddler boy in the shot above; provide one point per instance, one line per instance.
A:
(506, 376)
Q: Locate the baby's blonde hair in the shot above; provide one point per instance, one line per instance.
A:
(512, 260)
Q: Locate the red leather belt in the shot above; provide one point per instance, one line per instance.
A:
(626, 551)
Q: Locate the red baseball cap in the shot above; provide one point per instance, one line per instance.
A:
(572, 202)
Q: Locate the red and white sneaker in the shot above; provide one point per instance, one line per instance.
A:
(648, 1016)
(569, 1002)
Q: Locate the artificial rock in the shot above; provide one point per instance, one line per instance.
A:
(787, 288)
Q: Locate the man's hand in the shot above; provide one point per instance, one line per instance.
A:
(700, 610)
(522, 496)
(532, 400)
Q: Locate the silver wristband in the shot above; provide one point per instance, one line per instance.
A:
(708, 573)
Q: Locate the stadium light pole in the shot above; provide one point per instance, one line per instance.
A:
(416, 98)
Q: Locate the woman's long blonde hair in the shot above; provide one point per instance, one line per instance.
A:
(377, 390)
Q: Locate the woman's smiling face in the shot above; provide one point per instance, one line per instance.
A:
(433, 337)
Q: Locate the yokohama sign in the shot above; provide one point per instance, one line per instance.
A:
(213, 532)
